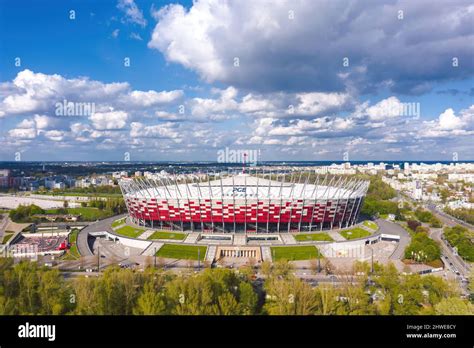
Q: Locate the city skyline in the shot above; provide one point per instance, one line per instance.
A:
(303, 81)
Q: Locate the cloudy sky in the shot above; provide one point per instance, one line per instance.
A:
(296, 80)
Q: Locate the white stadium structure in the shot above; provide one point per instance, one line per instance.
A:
(245, 203)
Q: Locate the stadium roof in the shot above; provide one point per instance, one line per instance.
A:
(244, 186)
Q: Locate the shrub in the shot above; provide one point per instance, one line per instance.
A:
(413, 225)
(422, 243)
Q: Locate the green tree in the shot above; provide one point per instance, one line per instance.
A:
(289, 297)
(150, 301)
(454, 306)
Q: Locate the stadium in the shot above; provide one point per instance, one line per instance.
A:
(243, 203)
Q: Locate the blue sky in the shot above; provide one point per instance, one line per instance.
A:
(294, 79)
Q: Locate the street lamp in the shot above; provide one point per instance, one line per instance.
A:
(98, 259)
(372, 259)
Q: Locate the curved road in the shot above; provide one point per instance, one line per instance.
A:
(446, 218)
(99, 226)
(387, 227)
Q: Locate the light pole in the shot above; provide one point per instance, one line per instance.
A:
(199, 259)
(372, 259)
(154, 259)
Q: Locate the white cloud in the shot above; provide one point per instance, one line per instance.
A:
(448, 124)
(317, 103)
(132, 13)
(277, 52)
(166, 130)
(224, 103)
(448, 121)
(43, 122)
(387, 108)
(193, 47)
(22, 133)
(136, 36)
(109, 120)
(150, 98)
(33, 92)
(54, 135)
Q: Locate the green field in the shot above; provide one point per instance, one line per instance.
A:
(6, 237)
(167, 235)
(87, 214)
(73, 236)
(129, 231)
(370, 224)
(185, 252)
(72, 253)
(295, 253)
(354, 233)
(118, 222)
(313, 237)
(81, 194)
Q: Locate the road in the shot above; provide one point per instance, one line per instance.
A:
(447, 254)
(102, 225)
(3, 225)
(388, 227)
(455, 260)
(447, 219)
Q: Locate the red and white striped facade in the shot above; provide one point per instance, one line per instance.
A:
(244, 203)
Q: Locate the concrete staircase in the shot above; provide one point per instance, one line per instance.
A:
(192, 238)
(287, 238)
(146, 234)
(336, 236)
(152, 248)
(240, 239)
(266, 253)
(211, 253)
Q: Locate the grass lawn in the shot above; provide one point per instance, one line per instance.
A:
(186, 252)
(294, 253)
(81, 194)
(355, 233)
(370, 224)
(6, 237)
(87, 213)
(383, 216)
(313, 237)
(118, 222)
(167, 235)
(130, 231)
(72, 253)
(73, 236)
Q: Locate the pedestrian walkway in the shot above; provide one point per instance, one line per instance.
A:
(266, 254)
(152, 248)
(192, 238)
(146, 234)
(119, 227)
(336, 236)
(240, 239)
(287, 238)
(211, 253)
